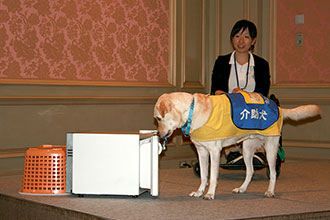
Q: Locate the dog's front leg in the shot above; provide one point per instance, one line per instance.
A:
(203, 156)
(215, 158)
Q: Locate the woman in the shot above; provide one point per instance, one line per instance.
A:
(241, 70)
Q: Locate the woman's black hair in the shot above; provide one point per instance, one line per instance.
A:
(242, 25)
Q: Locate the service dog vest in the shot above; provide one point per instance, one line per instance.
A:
(238, 114)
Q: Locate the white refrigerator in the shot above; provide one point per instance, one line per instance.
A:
(112, 163)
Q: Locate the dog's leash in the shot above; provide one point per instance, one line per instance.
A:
(164, 143)
(186, 127)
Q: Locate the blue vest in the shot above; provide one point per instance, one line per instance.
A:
(257, 114)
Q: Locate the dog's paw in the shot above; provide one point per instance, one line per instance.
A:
(196, 194)
(208, 196)
(269, 194)
(238, 190)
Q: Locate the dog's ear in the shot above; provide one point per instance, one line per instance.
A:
(164, 107)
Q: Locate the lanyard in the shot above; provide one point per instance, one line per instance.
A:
(247, 73)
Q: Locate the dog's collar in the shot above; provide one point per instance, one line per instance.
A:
(186, 127)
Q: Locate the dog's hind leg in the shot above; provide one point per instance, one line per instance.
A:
(203, 156)
(271, 147)
(249, 147)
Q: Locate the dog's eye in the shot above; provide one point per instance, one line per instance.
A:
(158, 118)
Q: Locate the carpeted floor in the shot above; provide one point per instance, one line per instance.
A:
(302, 192)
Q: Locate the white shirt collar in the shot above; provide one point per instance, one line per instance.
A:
(231, 61)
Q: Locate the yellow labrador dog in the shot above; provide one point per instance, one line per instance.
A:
(179, 109)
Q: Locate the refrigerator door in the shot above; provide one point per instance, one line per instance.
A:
(105, 164)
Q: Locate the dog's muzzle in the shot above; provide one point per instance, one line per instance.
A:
(168, 134)
(165, 140)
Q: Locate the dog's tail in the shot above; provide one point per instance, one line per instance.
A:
(301, 112)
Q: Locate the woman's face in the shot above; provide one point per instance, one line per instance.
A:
(242, 41)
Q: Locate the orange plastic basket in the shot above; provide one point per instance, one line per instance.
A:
(44, 170)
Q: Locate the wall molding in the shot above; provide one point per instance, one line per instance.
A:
(11, 172)
(301, 85)
(272, 39)
(6, 154)
(83, 83)
(305, 144)
(97, 100)
(218, 27)
(305, 100)
(12, 153)
(192, 84)
(246, 9)
(173, 43)
(76, 100)
(184, 82)
(183, 42)
(202, 82)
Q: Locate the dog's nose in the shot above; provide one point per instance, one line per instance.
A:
(162, 135)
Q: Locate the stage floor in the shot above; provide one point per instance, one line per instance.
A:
(302, 192)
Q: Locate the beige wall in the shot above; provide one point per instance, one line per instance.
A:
(31, 115)
(301, 74)
(308, 63)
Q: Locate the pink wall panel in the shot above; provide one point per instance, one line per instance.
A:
(90, 40)
(311, 62)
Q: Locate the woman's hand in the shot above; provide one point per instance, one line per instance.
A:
(236, 90)
(219, 92)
